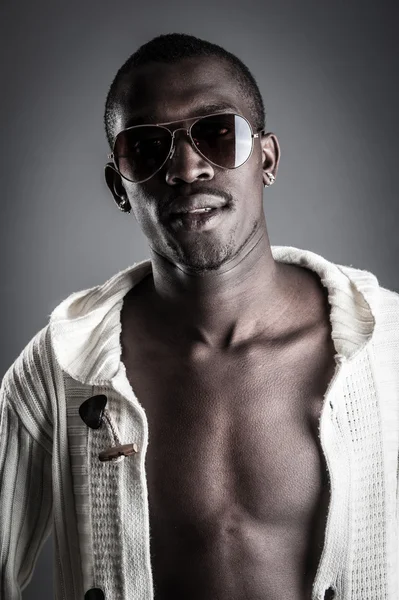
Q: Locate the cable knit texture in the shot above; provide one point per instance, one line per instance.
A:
(53, 481)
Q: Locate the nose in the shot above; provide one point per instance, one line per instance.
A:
(186, 163)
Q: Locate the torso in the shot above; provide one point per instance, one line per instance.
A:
(237, 483)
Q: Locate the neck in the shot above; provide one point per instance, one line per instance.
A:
(246, 297)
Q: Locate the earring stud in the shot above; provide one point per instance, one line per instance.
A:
(124, 205)
(271, 178)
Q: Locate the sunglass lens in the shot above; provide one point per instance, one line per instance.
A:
(139, 152)
(225, 139)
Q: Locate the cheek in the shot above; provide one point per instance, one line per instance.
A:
(248, 184)
(146, 210)
(140, 201)
(145, 217)
(256, 161)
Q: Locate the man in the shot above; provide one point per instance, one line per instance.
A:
(220, 421)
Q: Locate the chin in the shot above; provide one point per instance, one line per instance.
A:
(201, 257)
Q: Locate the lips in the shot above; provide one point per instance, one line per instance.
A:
(189, 222)
(184, 205)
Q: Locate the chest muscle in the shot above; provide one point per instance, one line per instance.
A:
(234, 431)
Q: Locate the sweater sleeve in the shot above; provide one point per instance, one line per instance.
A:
(25, 470)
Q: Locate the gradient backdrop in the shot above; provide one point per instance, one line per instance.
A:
(329, 73)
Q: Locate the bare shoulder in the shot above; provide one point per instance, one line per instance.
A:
(139, 320)
(311, 308)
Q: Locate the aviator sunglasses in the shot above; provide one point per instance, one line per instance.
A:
(225, 140)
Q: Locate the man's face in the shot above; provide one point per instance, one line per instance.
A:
(160, 93)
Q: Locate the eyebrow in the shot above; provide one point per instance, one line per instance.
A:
(203, 110)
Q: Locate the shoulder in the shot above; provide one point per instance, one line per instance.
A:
(32, 363)
(27, 388)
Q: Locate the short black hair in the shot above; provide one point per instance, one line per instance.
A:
(171, 48)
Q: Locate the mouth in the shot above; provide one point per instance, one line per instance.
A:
(196, 203)
(197, 220)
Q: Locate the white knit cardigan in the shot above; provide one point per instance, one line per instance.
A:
(52, 479)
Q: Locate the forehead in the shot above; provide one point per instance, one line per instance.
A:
(160, 92)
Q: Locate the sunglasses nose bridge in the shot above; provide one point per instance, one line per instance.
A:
(173, 142)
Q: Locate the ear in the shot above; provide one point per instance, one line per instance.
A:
(270, 156)
(114, 183)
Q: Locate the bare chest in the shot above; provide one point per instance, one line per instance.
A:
(234, 459)
(246, 425)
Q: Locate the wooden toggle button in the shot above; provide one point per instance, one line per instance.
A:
(116, 451)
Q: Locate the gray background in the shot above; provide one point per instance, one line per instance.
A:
(329, 74)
